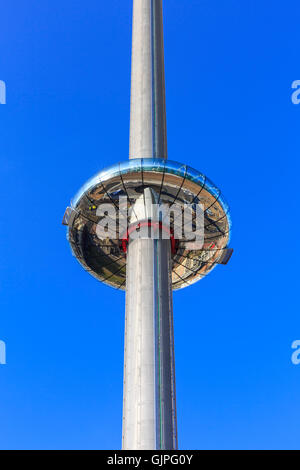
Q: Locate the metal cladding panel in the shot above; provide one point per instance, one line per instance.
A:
(166, 424)
(158, 80)
(139, 416)
(148, 134)
(149, 411)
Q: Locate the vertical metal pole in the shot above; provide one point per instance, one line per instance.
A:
(148, 129)
(149, 403)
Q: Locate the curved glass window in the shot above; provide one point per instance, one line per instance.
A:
(154, 164)
(212, 188)
(131, 166)
(224, 204)
(195, 176)
(109, 172)
(85, 188)
(175, 168)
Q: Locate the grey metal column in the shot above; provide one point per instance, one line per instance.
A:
(148, 130)
(149, 403)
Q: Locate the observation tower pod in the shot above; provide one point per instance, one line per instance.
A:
(118, 188)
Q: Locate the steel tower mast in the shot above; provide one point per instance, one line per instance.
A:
(149, 407)
(148, 268)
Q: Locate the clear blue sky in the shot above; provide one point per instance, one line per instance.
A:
(229, 69)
